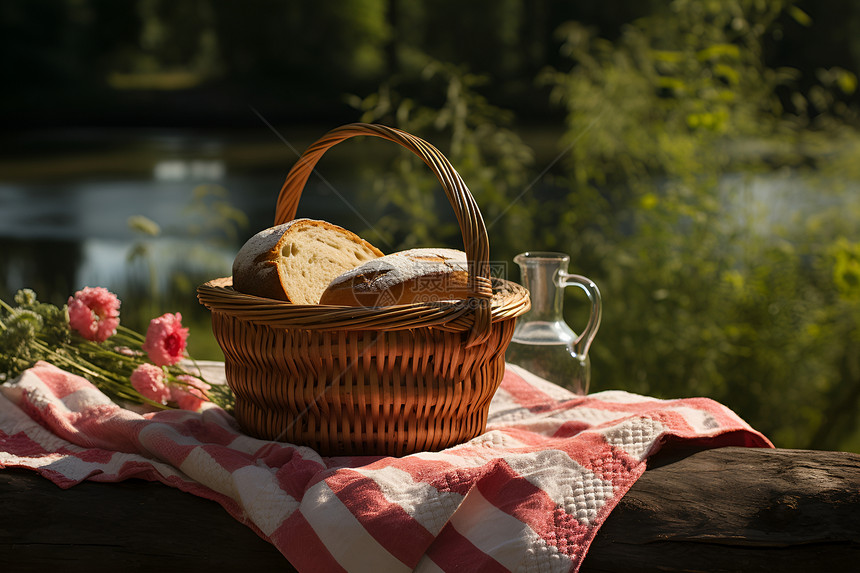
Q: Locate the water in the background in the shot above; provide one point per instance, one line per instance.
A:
(60, 234)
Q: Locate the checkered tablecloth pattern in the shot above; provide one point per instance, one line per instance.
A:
(529, 494)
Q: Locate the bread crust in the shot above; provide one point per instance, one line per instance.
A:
(405, 277)
(258, 268)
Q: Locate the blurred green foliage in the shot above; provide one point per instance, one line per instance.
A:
(153, 288)
(475, 137)
(670, 215)
(203, 62)
(720, 228)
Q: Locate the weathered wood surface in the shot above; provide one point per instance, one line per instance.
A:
(732, 509)
(737, 509)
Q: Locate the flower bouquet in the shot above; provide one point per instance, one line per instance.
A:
(85, 337)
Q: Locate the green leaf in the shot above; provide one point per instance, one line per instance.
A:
(800, 16)
(144, 225)
(718, 51)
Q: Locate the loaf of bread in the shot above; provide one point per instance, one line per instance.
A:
(406, 277)
(297, 260)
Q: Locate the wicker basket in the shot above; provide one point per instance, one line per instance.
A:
(369, 381)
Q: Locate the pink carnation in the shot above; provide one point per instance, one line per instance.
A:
(165, 339)
(148, 379)
(191, 394)
(94, 313)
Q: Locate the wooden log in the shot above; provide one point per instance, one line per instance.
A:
(736, 509)
(128, 526)
(730, 509)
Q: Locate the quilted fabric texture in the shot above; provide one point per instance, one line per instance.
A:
(527, 495)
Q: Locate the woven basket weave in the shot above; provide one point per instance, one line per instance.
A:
(369, 380)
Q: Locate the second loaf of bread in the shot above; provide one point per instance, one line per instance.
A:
(406, 277)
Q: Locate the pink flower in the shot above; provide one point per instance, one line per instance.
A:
(165, 339)
(191, 394)
(94, 313)
(148, 379)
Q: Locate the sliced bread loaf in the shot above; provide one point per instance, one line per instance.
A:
(297, 260)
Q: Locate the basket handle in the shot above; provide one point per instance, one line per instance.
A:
(469, 217)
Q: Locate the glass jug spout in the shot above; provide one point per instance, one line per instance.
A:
(543, 343)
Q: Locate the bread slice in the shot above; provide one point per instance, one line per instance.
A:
(297, 260)
(406, 277)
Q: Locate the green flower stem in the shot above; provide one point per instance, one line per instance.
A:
(115, 385)
(108, 365)
(131, 334)
(8, 309)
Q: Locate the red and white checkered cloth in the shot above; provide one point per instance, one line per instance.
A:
(527, 495)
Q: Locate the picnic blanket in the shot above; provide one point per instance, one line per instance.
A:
(529, 494)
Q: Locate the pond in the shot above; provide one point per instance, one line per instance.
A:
(66, 200)
(64, 213)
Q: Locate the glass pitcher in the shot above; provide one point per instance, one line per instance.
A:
(543, 343)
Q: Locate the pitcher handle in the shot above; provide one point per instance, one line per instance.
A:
(583, 341)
